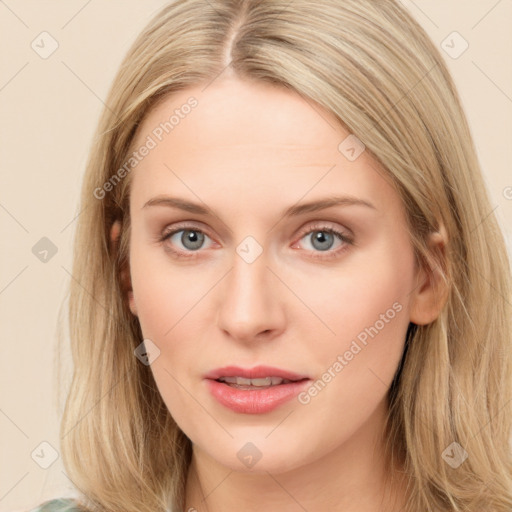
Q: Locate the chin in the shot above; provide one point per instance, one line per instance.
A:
(255, 454)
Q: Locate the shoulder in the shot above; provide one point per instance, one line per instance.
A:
(59, 505)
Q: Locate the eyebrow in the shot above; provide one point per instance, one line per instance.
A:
(292, 211)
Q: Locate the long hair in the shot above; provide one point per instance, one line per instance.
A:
(373, 66)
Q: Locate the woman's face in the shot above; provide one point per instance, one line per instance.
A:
(255, 271)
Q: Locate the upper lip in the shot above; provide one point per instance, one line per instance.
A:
(254, 373)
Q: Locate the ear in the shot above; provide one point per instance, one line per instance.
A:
(126, 284)
(431, 292)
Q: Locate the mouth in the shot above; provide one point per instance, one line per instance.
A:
(255, 384)
(254, 391)
(254, 375)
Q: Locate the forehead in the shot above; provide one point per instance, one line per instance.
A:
(249, 112)
(250, 137)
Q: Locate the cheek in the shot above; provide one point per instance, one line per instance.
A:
(367, 308)
(370, 288)
(168, 302)
(165, 293)
(172, 309)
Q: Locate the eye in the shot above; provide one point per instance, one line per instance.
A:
(186, 239)
(322, 239)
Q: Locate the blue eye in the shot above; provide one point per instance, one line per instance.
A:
(322, 240)
(191, 239)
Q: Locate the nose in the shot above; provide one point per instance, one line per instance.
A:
(251, 308)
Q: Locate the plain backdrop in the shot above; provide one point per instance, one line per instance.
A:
(49, 108)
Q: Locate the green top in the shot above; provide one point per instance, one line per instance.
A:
(61, 505)
(58, 505)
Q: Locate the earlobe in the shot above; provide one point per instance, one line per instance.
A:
(115, 231)
(126, 286)
(431, 291)
(131, 303)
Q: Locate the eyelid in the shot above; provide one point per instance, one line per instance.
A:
(311, 226)
(184, 225)
(320, 225)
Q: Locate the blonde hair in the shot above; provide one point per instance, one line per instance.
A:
(373, 66)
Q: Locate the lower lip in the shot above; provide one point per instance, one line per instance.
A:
(257, 401)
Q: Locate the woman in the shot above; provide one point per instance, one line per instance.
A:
(289, 293)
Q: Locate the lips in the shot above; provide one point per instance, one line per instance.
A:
(256, 390)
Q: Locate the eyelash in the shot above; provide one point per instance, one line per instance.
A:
(347, 241)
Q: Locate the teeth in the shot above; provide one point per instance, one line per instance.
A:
(263, 382)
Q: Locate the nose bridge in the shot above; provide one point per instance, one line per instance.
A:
(250, 302)
(249, 279)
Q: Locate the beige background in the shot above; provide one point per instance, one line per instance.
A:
(49, 108)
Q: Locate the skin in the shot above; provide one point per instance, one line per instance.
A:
(248, 151)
